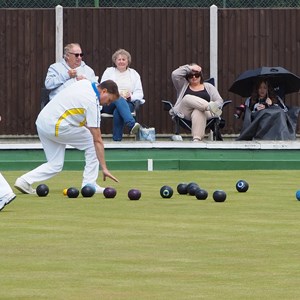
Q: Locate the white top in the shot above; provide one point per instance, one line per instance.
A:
(132, 79)
(123, 81)
(76, 105)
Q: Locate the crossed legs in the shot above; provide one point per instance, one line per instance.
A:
(195, 109)
(121, 110)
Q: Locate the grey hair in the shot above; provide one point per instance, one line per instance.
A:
(121, 52)
(68, 48)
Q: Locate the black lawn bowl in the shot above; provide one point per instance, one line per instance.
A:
(110, 192)
(42, 190)
(134, 194)
(242, 186)
(219, 196)
(191, 184)
(166, 191)
(192, 188)
(182, 188)
(201, 194)
(72, 192)
(88, 191)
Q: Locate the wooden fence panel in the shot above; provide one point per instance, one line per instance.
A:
(250, 38)
(27, 47)
(159, 40)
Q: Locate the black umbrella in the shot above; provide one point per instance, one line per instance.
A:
(281, 79)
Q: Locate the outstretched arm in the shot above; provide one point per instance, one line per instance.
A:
(99, 148)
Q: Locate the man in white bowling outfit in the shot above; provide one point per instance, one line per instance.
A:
(72, 118)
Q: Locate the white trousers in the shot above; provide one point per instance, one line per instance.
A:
(5, 189)
(54, 148)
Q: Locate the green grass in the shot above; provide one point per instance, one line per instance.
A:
(154, 248)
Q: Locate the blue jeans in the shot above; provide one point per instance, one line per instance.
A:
(121, 110)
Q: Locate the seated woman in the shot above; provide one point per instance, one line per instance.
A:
(130, 89)
(266, 116)
(196, 100)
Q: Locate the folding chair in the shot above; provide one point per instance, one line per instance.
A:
(215, 124)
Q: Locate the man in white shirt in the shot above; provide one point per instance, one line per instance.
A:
(72, 118)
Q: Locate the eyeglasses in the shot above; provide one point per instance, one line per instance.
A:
(77, 54)
(196, 75)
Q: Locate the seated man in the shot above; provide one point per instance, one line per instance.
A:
(69, 70)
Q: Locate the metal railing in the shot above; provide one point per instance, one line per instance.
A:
(150, 3)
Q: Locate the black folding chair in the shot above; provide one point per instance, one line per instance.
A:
(215, 124)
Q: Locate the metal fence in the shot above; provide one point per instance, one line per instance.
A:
(150, 3)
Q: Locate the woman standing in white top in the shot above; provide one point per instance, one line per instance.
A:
(130, 89)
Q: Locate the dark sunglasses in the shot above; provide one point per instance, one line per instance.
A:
(196, 75)
(77, 54)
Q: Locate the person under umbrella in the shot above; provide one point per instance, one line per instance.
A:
(266, 116)
(286, 81)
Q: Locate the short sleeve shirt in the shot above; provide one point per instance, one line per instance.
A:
(77, 105)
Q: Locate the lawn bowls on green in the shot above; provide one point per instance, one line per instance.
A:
(201, 194)
(72, 192)
(88, 191)
(219, 196)
(110, 192)
(192, 187)
(134, 194)
(166, 191)
(42, 190)
(182, 188)
(242, 186)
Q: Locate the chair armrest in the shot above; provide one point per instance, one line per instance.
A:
(137, 105)
(167, 105)
(225, 103)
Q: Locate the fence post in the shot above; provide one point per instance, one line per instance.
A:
(214, 43)
(59, 32)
